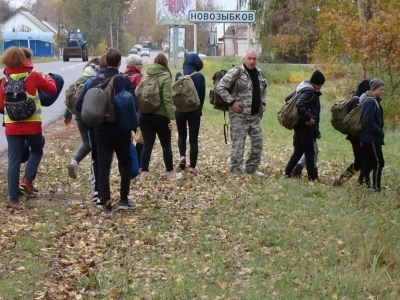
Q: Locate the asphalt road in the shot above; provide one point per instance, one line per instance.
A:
(70, 71)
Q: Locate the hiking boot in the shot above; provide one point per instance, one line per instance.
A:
(27, 186)
(125, 205)
(296, 172)
(73, 169)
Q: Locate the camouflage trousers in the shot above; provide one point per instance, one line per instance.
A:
(241, 126)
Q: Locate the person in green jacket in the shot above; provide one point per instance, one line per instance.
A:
(159, 122)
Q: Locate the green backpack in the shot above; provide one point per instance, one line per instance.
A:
(288, 115)
(72, 94)
(148, 93)
(184, 94)
(338, 114)
(353, 120)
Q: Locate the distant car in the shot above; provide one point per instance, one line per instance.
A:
(202, 55)
(138, 46)
(134, 50)
(145, 52)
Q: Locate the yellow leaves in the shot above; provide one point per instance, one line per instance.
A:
(297, 281)
(223, 285)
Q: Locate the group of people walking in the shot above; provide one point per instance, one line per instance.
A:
(243, 88)
(108, 138)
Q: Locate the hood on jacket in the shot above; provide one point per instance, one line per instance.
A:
(27, 67)
(192, 63)
(91, 70)
(304, 84)
(155, 69)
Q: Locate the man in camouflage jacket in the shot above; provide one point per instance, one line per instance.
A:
(244, 89)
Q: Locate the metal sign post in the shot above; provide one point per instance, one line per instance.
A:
(223, 16)
(176, 36)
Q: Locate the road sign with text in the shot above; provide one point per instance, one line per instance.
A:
(222, 16)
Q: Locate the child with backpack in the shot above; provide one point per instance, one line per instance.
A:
(192, 64)
(372, 135)
(89, 71)
(134, 66)
(307, 129)
(20, 103)
(159, 121)
(358, 151)
(108, 136)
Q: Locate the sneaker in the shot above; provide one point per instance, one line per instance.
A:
(173, 176)
(15, 202)
(27, 186)
(258, 174)
(125, 205)
(22, 191)
(73, 169)
(104, 205)
(96, 197)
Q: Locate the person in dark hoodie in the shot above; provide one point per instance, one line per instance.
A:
(372, 135)
(358, 151)
(191, 64)
(307, 130)
(109, 138)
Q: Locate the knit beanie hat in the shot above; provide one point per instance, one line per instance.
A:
(363, 87)
(317, 78)
(91, 70)
(375, 83)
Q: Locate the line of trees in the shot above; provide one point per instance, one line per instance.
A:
(360, 32)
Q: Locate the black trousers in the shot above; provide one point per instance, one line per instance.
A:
(374, 162)
(108, 141)
(303, 143)
(94, 164)
(193, 122)
(153, 125)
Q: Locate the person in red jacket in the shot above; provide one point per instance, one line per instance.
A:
(134, 66)
(29, 130)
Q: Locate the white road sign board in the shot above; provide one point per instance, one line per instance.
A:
(222, 16)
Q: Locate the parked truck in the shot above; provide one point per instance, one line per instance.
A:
(75, 46)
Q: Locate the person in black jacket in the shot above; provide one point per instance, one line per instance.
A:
(372, 135)
(109, 138)
(358, 151)
(191, 119)
(307, 130)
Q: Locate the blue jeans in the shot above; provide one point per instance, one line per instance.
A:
(15, 157)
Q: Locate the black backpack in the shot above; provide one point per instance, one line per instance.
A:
(18, 104)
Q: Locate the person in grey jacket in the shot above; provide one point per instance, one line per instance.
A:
(307, 130)
(244, 89)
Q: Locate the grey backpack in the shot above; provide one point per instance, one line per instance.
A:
(98, 103)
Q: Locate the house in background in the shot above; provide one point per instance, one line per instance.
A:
(235, 41)
(24, 29)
